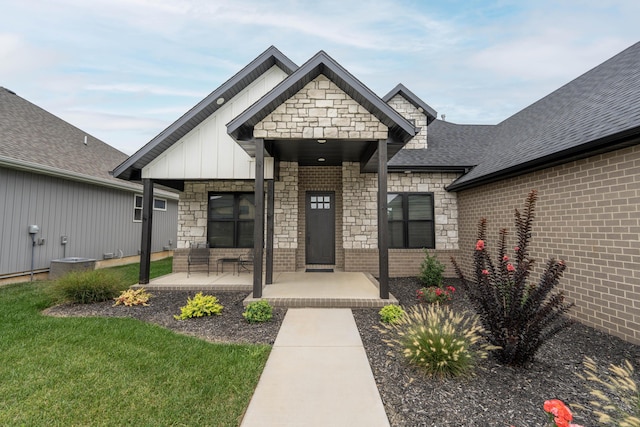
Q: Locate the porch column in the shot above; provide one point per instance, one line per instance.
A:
(147, 222)
(258, 230)
(270, 209)
(383, 224)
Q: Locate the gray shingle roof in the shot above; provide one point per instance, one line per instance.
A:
(598, 111)
(30, 134)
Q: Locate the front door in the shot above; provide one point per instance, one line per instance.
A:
(321, 227)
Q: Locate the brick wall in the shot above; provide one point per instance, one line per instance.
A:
(588, 215)
(402, 262)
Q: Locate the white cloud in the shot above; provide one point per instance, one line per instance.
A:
(144, 89)
(18, 57)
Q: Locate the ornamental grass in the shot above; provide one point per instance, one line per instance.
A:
(441, 342)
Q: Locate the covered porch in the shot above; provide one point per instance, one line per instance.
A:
(289, 289)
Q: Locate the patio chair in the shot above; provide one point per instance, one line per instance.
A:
(198, 255)
(244, 261)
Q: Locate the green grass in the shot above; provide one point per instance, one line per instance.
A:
(108, 372)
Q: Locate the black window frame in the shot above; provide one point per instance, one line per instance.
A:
(235, 220)
(406, 221)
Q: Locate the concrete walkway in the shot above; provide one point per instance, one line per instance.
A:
(317, 375)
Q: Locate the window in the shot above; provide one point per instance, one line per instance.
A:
(411, 222)
(159, 204)
(230, 221)
(137, 208)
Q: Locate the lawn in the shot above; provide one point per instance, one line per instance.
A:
(105, 372)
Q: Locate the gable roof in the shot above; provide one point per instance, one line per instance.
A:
(130, 169)
(597, 112)
(241, 128)
(36, 140)
(401, 90)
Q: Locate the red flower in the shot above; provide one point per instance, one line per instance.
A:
(510, 267)
(479, 245)
(451, 289)
(517, 248)
(438, 291)
(505, 258)
(561, 414)
(485, 272)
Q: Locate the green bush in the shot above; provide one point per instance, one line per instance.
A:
(258, 311)
(391, 313)
(200, 305)
(431, 270)
(436, 339)
(131, 297)
(519, 317)
(86, 287)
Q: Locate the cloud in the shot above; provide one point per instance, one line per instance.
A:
(19, 57)
(144, 89)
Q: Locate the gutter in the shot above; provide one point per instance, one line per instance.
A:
(78, 177)
(603, 145)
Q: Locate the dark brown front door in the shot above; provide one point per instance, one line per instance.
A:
(321, 227)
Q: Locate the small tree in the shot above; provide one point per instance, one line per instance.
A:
(431, 270)
(517, 316)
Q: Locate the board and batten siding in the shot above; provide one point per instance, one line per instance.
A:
(207, 151)
(96, 220)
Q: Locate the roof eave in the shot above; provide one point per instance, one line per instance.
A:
(606, 144)
(270, 57)
(413, 99)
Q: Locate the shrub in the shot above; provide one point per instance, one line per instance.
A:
(435, 295)
(131, 297)
(436, 339)
(258, 311)
(391, 313)
(517, 316)
(431, 270)
(616, 392)
(86, 287)
(200, 305)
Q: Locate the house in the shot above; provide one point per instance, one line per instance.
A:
(358, 182)
(56, 176)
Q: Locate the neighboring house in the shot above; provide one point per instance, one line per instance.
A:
(56, 176)
(356, 182)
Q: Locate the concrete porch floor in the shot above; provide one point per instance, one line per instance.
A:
(289, 289)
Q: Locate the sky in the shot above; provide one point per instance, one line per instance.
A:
(124, 70)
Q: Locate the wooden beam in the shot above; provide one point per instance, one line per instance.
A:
(383, 224)
(147, 226)
(258, 227)
(270, 224)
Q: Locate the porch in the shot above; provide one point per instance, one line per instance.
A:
(289, 289)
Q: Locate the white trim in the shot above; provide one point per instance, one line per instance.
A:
(136, 208)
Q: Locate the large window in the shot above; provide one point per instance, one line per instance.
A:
(230, 222)
(411, 222)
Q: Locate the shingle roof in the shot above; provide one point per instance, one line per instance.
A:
(598, 111)
(447, 148)
(270, 57)
(31, 135)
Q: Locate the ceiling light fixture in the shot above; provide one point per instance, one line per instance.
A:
(321, 159)
(322, 141)
(220, 101)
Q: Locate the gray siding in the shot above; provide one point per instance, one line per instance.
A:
(97, 220)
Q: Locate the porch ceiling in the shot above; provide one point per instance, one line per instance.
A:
(307, 152)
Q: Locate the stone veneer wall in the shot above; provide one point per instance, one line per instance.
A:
(320, 178)
(320, 110)
(588, 214)
(409, 111)
(192, 218)
(360, 216)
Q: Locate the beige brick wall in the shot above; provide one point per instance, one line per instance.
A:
(587, 214)
(320, 110)
(409, 111)
(402, 262)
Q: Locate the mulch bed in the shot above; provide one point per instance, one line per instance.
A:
(496, 396)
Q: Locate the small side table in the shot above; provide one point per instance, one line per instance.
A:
(220, 264)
